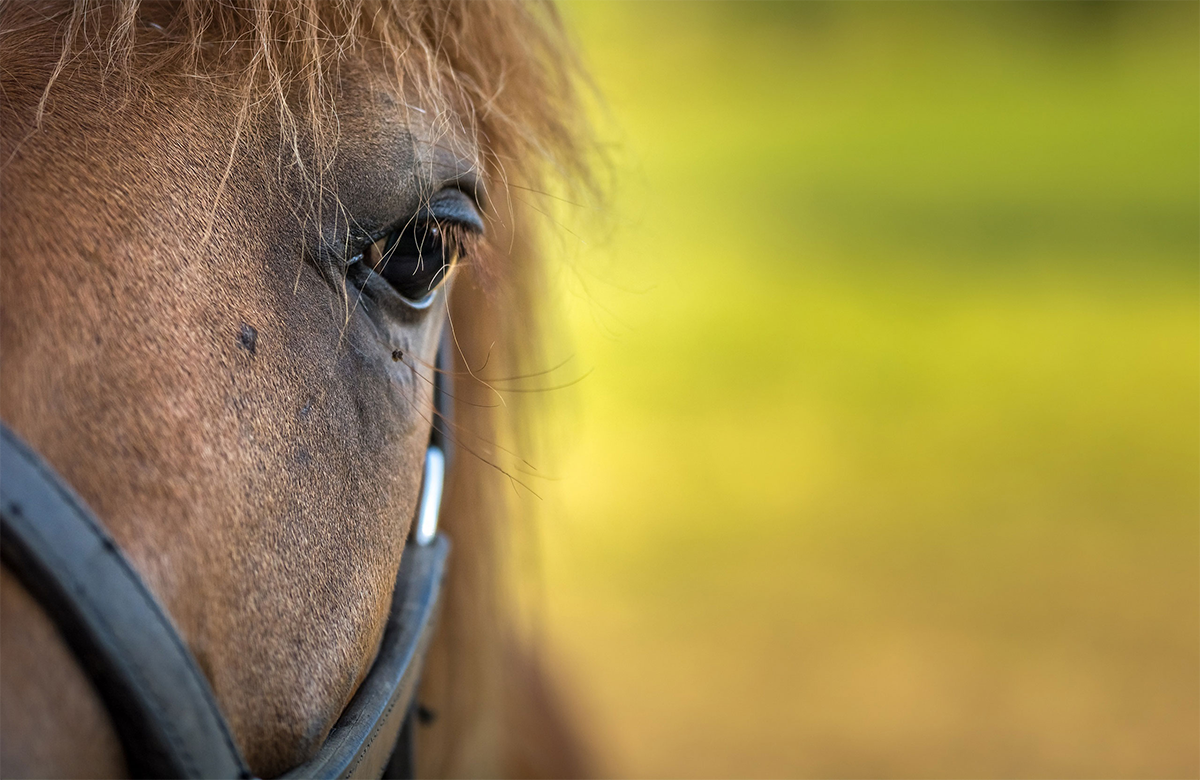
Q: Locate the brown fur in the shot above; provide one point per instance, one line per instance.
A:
(174, 172)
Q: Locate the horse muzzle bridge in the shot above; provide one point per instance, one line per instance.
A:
(159, 701)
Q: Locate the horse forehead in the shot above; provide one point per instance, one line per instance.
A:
(376, 149)
(405, 135)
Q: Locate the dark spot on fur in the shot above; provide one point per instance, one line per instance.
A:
(303, 457)
(397, 355)
(426, 715)
(304, 410)
(248, 338)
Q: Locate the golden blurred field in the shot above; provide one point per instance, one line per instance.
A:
(888, 463)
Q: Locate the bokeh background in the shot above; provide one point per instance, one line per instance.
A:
(886, 456)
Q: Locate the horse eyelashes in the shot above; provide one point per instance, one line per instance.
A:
(415, 258)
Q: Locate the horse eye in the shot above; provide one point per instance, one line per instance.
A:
(414, 258)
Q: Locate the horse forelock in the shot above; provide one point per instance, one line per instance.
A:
(500, 72)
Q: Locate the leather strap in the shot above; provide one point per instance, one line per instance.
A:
(160, 703)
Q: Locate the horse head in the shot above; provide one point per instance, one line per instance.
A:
(234, 237)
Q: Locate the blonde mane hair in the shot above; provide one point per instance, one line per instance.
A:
(500, 70)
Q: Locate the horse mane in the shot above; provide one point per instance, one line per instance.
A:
(499, 73)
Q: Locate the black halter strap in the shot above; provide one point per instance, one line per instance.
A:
(158, 700)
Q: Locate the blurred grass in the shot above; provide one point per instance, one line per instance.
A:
(889, 464)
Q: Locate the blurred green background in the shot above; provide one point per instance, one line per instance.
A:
(888, 463)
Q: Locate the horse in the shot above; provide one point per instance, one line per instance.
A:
(234, 235)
